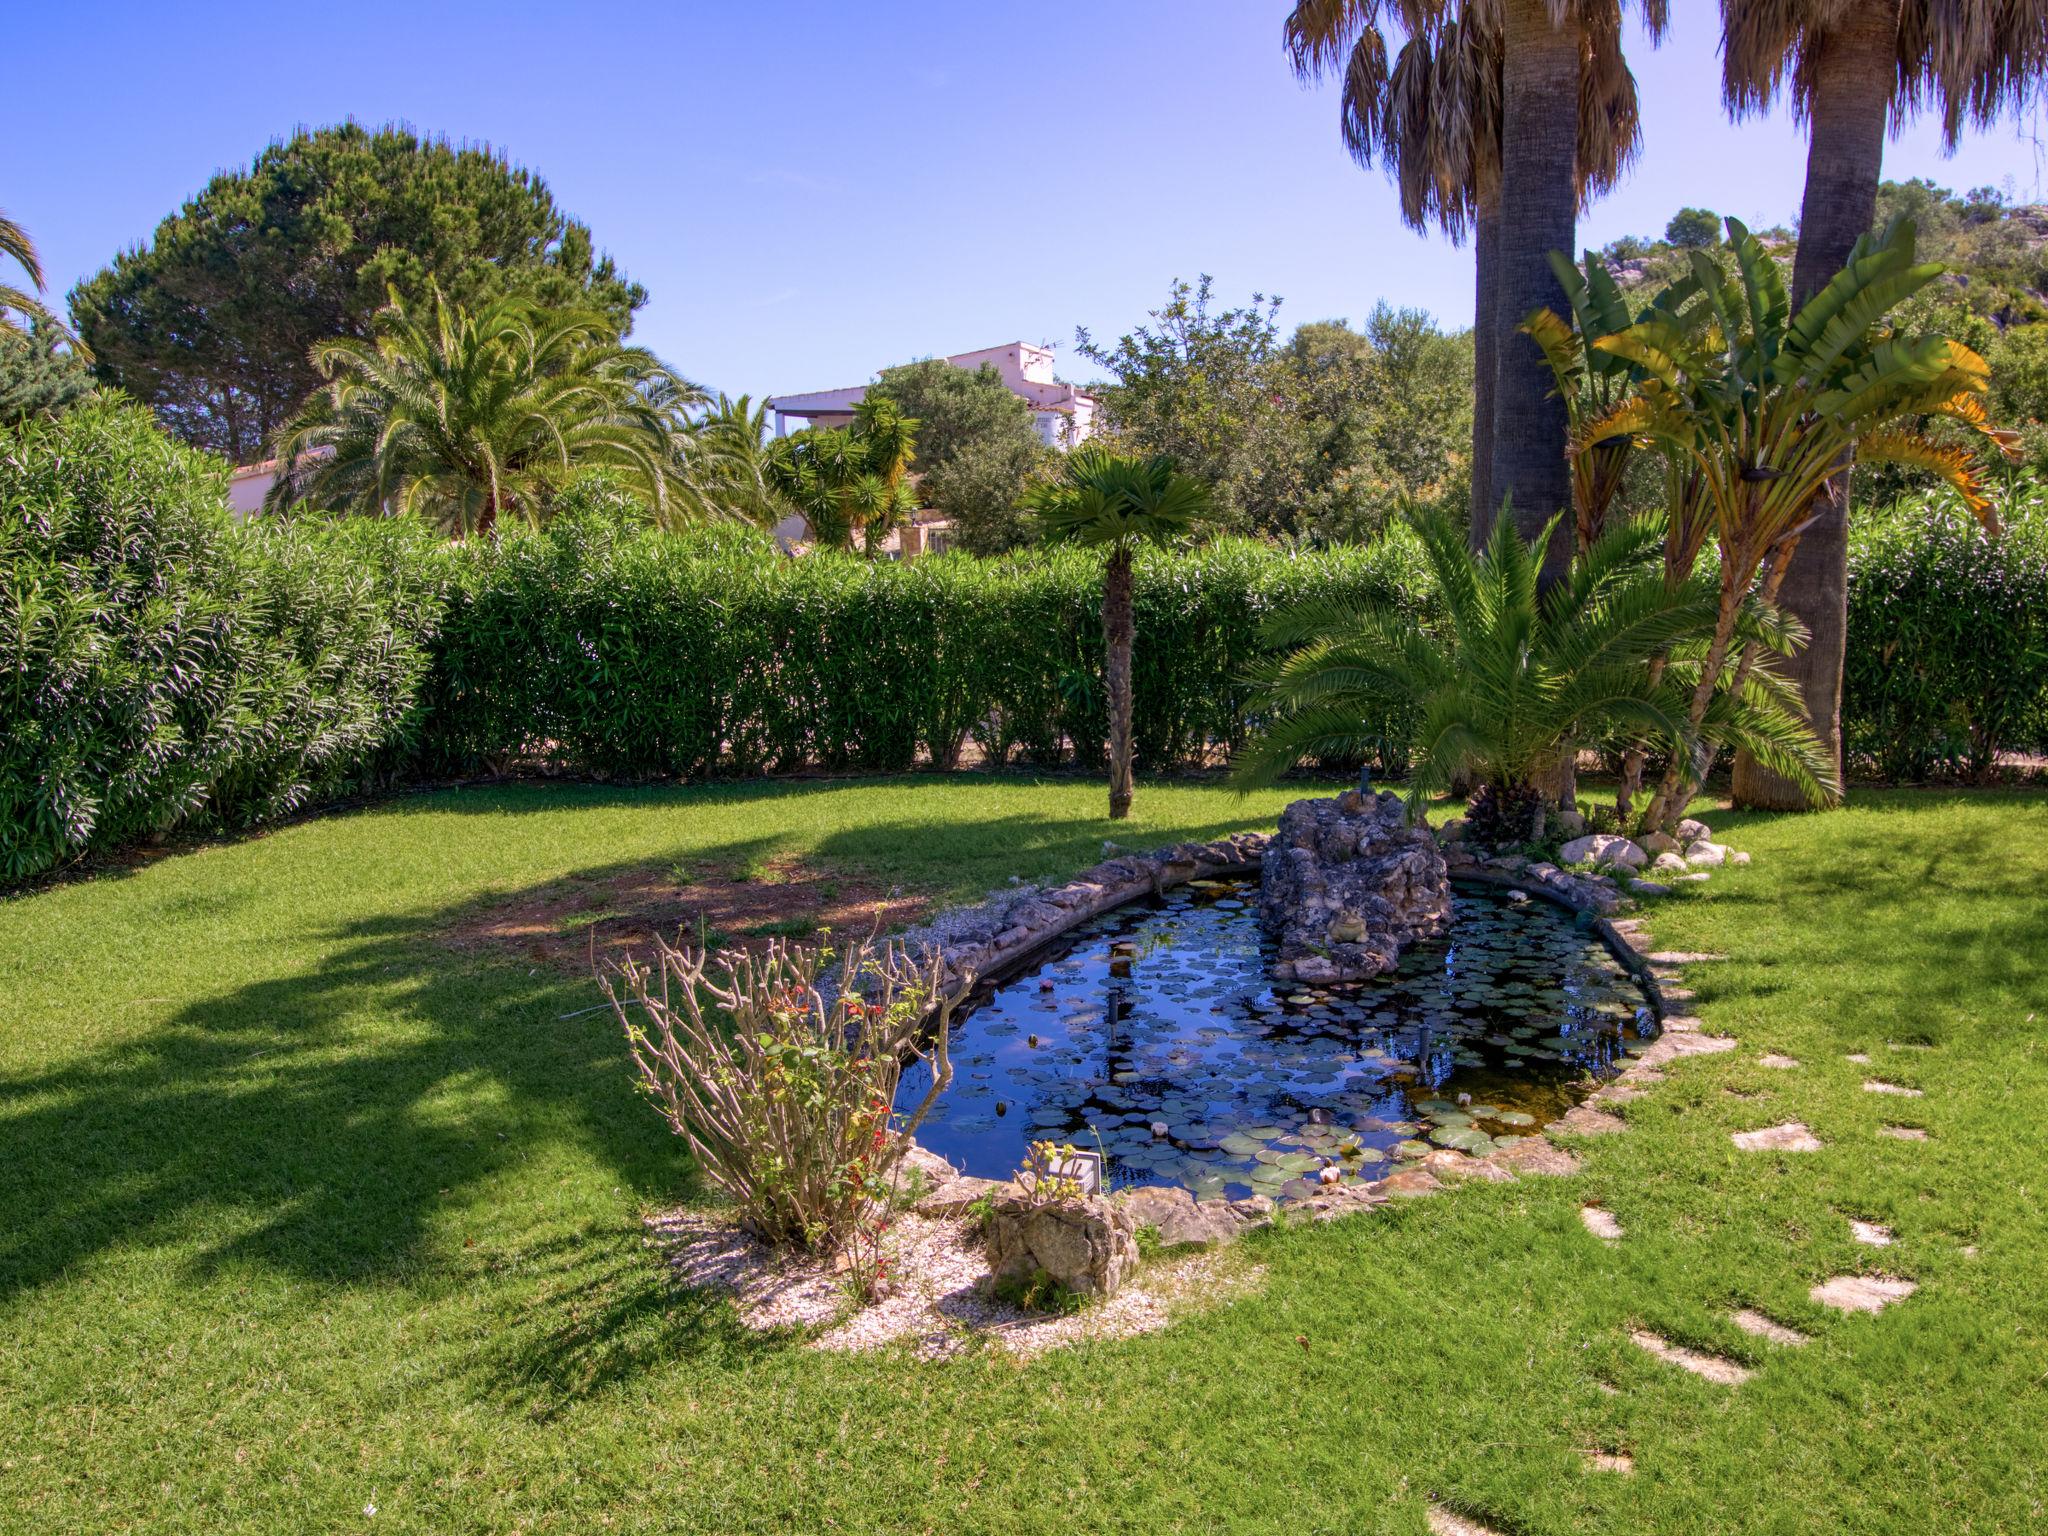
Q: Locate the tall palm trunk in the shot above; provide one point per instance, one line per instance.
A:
(1854, 77)
(1485, 356)
(1116, 675)
(1538, 215)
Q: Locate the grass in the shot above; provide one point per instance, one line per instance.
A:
(305, 1212)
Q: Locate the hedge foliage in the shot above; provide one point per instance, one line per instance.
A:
(1948, 638)
(165, 668)
(169, 668)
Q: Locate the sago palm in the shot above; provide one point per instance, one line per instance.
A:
(1854, 71)
(1117, 501)
(470, 418)
(1763, 403)
(1513, 674)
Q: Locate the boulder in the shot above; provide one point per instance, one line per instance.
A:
(1346, 884)
(1669, 863)
(1649, 888)
(1088, 1246)
(1604, 849)
(1658, 842)
(1568, 823)
(1689, 831)
(1179, 1218)
(1451, 831)
(1706, 855)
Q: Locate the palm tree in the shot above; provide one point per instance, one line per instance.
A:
(1516, 673)
(1852, 71)
(850, 481)
(1762, 403)
(467, 419)
(1435, 120)
(733, 457)
(15, 243)
(1103, 498)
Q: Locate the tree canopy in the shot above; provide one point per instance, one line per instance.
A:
(976, 450)
(212, 321)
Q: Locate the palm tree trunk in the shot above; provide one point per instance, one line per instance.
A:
(1538, 215)
(1485, 359)
(1676, 790)
(1116, 634)
(1854, 74)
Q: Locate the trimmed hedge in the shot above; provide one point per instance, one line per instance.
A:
(616, 652)
(1948, 657)
(168, 668)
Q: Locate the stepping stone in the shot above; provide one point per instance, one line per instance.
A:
(1781, 1063)
(1444, 1522)
(1611, 1461)
(1584, 1120)
(1617, 1093)
(1870, 1232)
(1897, 1090)
(1600, 1223)
(1714, 1368)
(1862, 1293)
(1861, 1058)
(1902, 1132)
(1789, 1137)
(1753, 1322)
(1536, 1154)
(1681, 956)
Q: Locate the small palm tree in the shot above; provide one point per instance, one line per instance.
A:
(15, 243)
(1513, 676)
(1103, 498)
(467, 419)
(733, 457)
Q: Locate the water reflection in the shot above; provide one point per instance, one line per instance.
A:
(1158, 1034)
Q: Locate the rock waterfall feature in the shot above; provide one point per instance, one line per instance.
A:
(1346, 884)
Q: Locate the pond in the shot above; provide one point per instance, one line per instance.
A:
(1156, 1033)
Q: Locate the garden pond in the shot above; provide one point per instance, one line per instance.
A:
(1156, 1034)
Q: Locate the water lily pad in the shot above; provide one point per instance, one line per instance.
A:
(1513, 1117)
(1462, 1139)
(1239, 1145)
(1411, 1148)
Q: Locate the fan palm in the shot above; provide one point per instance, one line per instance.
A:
(1117, 501)
(15, 243)
(1852, 71)
(469, 418)
(1762, 404)
(732, 456)
(1514, 675)
(1434, 120)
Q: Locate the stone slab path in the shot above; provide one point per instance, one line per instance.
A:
(1753, 1322)
(1600, 1223)
(1715, 1368)
(1862, 1293)
(1789, 1137)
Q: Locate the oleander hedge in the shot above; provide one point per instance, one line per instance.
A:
(1947, 661)
(169, 668)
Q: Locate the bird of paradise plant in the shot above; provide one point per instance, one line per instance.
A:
(1756, 406)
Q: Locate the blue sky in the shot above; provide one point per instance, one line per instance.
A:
(811, 191)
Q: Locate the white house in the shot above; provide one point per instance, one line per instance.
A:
(1062, 414)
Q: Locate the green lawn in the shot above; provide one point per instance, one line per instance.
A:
(305, 1211)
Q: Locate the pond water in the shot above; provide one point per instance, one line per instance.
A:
(1156, 1032)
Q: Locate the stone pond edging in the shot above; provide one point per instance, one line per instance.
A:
(986, 941)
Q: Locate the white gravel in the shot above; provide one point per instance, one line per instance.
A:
(936, 1301)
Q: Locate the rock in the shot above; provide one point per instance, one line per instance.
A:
(1604, 849)
(1451, 831)
(1668, 863)
(1862, 1293)
(1347, 884)
(1650, 888)
(1738, 857)
(1706, 855)
(1690, 831)
(1569, 823)
(1088, 1246)
(1790, 1137)
(953, 1198)
(1658, 842)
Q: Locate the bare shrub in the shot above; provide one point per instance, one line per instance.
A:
(781, 1069)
